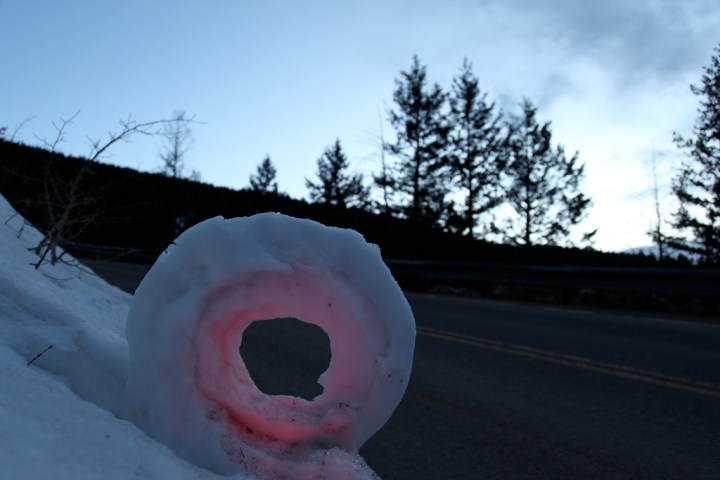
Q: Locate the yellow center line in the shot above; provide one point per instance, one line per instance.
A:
(647, 376)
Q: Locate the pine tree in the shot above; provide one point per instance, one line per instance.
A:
(421, 131)
(544, 184)
(697, 184)
(335, 186)
(477, 158)
(264, 180)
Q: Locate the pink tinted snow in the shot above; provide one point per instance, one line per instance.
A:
(195, 394)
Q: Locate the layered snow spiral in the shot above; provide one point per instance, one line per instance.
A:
(188, 386)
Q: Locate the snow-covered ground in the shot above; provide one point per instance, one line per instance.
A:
(59, 416)
(64, 363)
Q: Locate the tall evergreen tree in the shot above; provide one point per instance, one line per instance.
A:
(264, 180)
(544, 184)
(421, 131)
(335, 186)
(697, 184)
(477, 155)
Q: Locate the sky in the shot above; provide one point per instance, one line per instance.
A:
(286, 78)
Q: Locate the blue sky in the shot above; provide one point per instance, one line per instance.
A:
(287, 78)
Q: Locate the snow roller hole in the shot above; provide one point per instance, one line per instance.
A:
(286, 356)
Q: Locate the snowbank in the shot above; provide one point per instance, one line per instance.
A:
(58, 416)
(61, 414)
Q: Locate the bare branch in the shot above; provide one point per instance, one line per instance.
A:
(128, 128)
(30, 362)
(19, 127)
(178, 136)
(71, 205)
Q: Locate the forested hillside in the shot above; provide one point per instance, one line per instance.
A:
(128, 208)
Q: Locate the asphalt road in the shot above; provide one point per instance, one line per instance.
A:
(512, 391)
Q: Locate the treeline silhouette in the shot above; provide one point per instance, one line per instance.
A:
(148, 211)
(459, 163)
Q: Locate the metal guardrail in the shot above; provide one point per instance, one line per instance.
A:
(695, 282)
(665, 281)
(134, 254)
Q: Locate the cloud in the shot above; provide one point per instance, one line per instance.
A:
(640, 40)
(558, 49)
